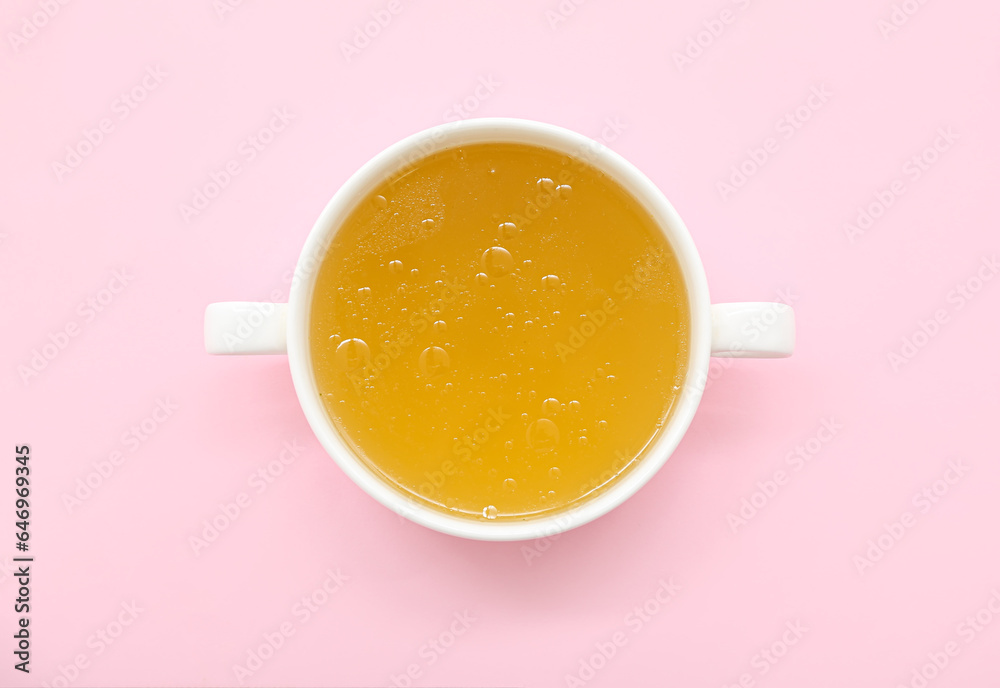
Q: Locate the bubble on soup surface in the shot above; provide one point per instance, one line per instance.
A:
(433, 361)
(497, 261)
(352, 354)
(506, 230)
(543, 435)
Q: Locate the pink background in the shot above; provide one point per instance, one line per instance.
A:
(537, 619)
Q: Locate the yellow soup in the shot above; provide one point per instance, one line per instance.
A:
(499, 331)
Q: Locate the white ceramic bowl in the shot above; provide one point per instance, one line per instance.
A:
(761, 330)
